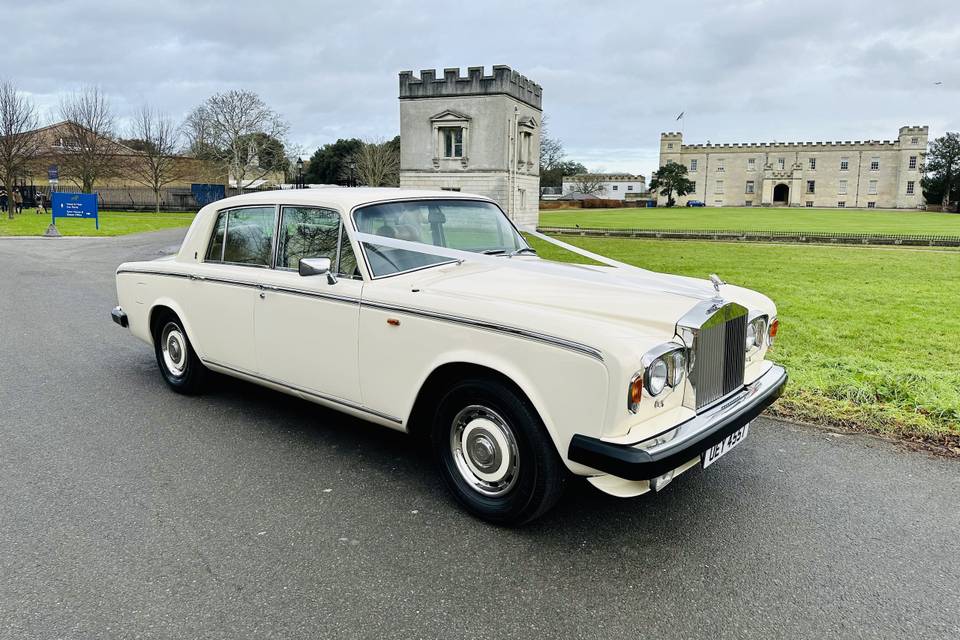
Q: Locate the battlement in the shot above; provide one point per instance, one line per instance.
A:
(914, 130)
(503, 81)
(672, 135)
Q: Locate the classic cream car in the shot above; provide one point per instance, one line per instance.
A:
(428, 312)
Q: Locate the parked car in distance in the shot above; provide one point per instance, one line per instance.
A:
(428, 312)
(695, 203)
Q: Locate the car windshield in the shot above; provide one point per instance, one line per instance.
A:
(465, 225)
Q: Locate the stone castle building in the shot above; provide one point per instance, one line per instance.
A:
(478, 134)
(870, 173)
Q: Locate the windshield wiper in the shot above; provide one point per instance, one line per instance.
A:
(523, 250)
(493, 252)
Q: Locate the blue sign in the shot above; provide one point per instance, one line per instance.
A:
(204, 194)
(53, 173)
(74, 205)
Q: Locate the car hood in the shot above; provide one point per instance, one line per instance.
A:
(572, 301)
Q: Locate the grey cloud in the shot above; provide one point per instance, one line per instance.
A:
(615, 74)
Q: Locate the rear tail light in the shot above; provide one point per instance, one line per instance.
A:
(774, 328)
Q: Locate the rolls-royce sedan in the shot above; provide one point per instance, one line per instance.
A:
(429, 312)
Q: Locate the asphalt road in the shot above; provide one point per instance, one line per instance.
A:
(127, 511)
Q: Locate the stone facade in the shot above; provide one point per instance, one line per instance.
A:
(870, 174)
(477, 134)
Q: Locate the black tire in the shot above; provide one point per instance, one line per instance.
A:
(179, 365)
(471, 416)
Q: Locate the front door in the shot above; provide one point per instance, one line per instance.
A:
(306, 326)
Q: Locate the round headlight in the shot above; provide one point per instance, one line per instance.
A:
(676, 367)
(756, 330)
(656, 377)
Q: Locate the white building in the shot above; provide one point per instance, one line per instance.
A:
(615, 186)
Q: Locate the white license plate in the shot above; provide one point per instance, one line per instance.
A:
(714, 453)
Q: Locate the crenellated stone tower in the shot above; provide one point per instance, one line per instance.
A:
(477, 134)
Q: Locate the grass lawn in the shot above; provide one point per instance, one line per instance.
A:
(112, 223)
(871, 336)
(759, 219)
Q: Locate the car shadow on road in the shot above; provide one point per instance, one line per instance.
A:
(400, 465)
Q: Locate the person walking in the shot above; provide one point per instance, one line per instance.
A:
(18, 200)
(40, 207)
(3, 200)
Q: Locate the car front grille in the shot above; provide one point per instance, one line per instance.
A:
(719, 354)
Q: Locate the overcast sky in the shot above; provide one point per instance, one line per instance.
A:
(614, 74)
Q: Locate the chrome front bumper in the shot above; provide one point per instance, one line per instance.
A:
(666, 451)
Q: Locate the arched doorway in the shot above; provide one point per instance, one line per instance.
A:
(781, 194)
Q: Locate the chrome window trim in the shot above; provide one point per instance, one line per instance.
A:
(315, 394)
(363, 252)
(226, 228)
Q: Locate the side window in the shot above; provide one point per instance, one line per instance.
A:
(249, 236)
(215, 250)
(308, 232)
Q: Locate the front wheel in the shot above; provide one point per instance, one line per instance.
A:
(494, 453)
(179, 364)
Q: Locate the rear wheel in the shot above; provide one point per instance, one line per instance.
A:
(179, 364)
(494, 453)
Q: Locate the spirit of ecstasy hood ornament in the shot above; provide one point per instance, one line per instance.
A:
(715, 279)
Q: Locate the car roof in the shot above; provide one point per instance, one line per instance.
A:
(345, 198)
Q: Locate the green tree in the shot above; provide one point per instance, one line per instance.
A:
(671, 179)
(553, 176)
(329, 163)
(942, 167)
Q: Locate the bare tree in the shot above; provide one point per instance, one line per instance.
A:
(589, 183)
(86, 150)
(377, 163)
(239, 131)
(20, 143)
(157, 164)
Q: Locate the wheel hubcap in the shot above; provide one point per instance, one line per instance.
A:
(173, 346)
(484, 450)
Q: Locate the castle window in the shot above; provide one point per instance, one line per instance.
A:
(914, 140)
(813, 164)
(614, 187)
(872, 187)
(781, 163)
(871, 205)
(841, 204)
(913, 162)
(693, 165)
(749, 186)
(751, 164)
(629, 187)
(720, 165)
(874, 164)
(452, 141)
(809, 203)
(693, 186)
(669, 145)
(748, 203)
(844, 164)
(719, 187)
(811, 186)
(910, 187)
(842, 188)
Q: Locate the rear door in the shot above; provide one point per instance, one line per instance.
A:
(227, 285)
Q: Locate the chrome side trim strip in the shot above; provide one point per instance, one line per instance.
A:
(491, 326)
(252, 285)
(326, 398)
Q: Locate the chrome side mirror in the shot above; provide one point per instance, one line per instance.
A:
(316, 267)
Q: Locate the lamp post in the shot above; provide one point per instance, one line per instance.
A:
(352, 164)
(300, 184)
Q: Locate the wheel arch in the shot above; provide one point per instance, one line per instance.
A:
(162, 306)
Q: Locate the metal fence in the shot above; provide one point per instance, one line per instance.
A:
(765, 236)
